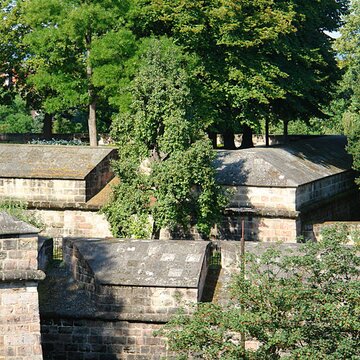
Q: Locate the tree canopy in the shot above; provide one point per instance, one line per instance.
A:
(71, 47)
(256, 59)
(259, 60)
(167, 179)
(349, 54)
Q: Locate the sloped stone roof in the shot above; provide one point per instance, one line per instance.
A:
(49, 162)
(12, 226)
(289, 165)
(156, 263)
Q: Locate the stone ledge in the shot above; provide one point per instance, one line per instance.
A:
(53, 205)
(264, 212)
(109, 316)
(21, 275)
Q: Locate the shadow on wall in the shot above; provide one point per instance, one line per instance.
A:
(239, 213)
(73, 324)
(82, 318)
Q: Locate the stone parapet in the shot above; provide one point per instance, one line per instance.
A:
(19, 304)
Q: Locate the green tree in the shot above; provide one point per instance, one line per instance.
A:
(16, 118)
(307, 57)
(349, 54)
(64, 60)
(298, 306)
(12, 52)
(235, 78)
(259, 60)
(165, 162)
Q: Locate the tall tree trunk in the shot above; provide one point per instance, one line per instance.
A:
(213, 137)
(247, 141)
(286, 138)
(47, 128)
(92, 101)
(267, 132)
(92, 124)
(229, 141)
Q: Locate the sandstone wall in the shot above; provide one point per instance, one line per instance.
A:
(259, 228)
(145, 302)
(274, 198)
(19, 306)
(44, 192)
(76, 223)
(19, 322)
(99, 177)
(75, 339)
(325, 188)
(353, 230)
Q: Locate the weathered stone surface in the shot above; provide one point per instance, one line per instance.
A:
(49, 162)
(11, 226)
(21, 275)
(285, 166)
(144, 262)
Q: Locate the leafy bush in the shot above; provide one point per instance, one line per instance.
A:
(297, 306)
(165, 159)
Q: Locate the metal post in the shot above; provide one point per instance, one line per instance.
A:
(242, 264)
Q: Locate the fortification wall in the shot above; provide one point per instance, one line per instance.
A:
(323, 189)
(70, 339)
(150, 303)
(120, 320)
(19, 321)
(99, 177)
(274, 198)
(76, 223)
(352, 228)
(44, 192)
(19, 306)
(258, 228)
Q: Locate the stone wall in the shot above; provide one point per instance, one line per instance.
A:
(76, 223)
(44, 192)
(120, 320)
(76, 339)
(19, 305)
(274, 198)
(99, 177)
(259, 228)
(336, 209)
(18, 253)
(19, 321)
(353, 230)
(324, 189)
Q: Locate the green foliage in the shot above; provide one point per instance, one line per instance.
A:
(349, 52)
(165, 162)
(18, 209)
(75, 51)
(16, 118)
(298, 306)
(74, 122)
(259, 59)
